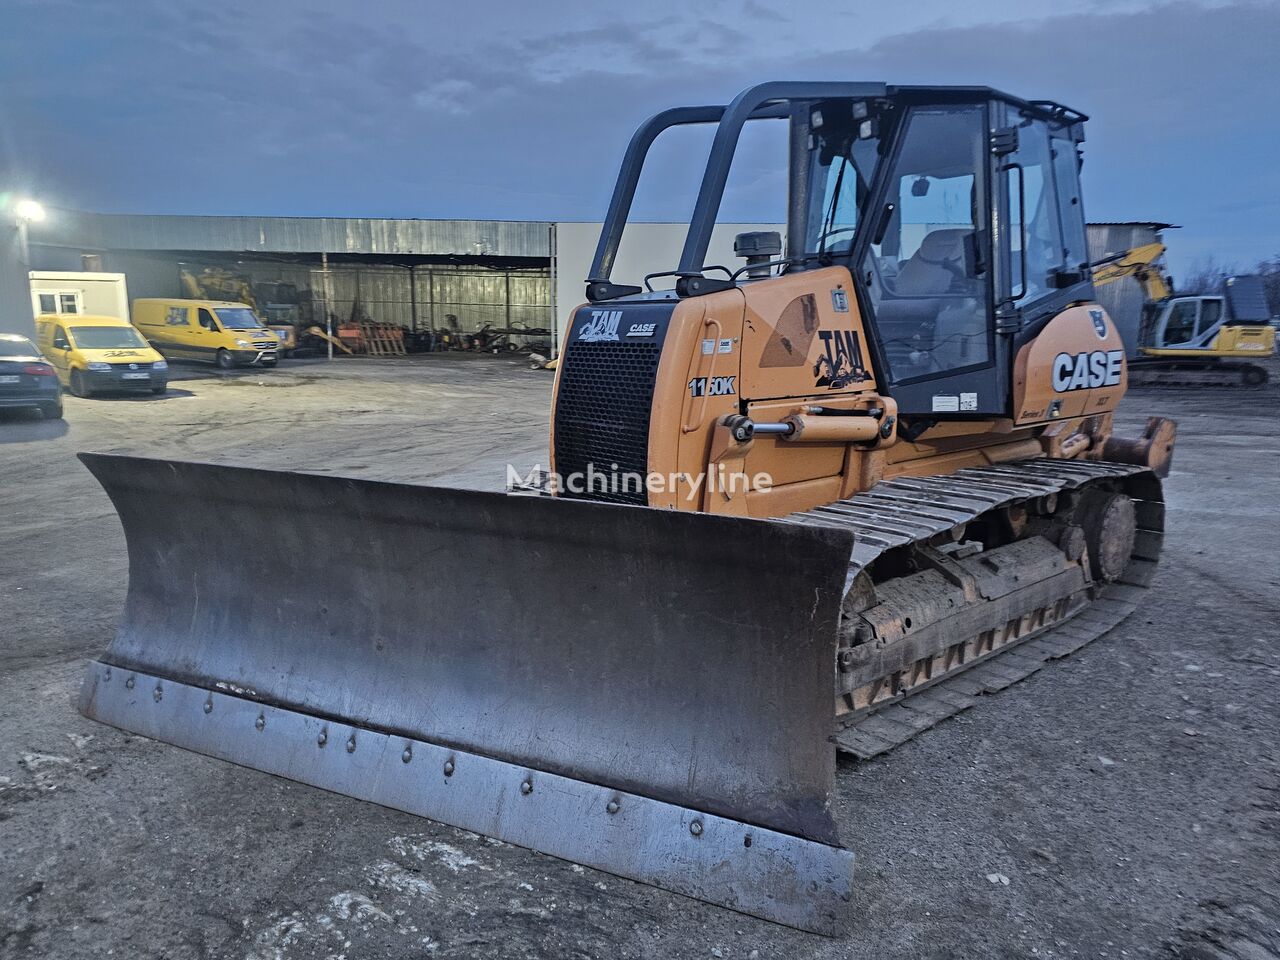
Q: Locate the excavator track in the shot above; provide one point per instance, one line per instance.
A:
(1035, 603)
(1196, 373)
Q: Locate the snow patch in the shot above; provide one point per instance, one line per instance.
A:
(438, 851)
(392, 876)
(356, 906)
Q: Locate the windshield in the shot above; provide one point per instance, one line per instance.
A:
(840, 175)
(19, 347)
(237, 318)
(107, 338)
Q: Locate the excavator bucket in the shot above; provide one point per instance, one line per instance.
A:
(646, 692)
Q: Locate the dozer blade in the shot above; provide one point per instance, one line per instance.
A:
(646, 692)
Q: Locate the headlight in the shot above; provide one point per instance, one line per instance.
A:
(243, 343)
(98, 365)
(160, 365)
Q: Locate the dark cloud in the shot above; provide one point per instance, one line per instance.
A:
(409, 109)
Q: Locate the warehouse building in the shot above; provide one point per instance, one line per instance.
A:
(421, 275)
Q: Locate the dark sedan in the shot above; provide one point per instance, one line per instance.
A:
(27, 379)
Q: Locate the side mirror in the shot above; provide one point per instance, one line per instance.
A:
(920, 187)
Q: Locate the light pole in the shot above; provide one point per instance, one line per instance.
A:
(16, 314)
(26, 211)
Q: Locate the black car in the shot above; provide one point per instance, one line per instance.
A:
(26, 379)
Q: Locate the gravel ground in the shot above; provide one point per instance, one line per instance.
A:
(1121, 803)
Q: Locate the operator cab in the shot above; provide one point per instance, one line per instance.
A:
(956, 209)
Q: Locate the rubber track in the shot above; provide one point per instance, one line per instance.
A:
(896, 513)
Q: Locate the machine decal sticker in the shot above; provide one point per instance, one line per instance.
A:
(718, 387)
(1084, 371)
(602, 326)
(968, 401)
(1099, 323)
(946, 404)
(642, 329)
(839, 301)
(792, 335)
(841, 363)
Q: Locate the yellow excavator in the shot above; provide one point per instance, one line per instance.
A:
(1199, 340)
(814, 503)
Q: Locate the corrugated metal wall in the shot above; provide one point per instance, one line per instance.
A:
(363, 235)
(511, 296)
(1108, 239)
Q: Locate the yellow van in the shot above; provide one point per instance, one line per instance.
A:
(214, 331)
(93, 354)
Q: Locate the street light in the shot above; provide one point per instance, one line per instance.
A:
(29, 211)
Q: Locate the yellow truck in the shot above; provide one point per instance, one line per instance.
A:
(212, 331)
(94, 354)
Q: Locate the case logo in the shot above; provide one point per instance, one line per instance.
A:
(642, 330)
(603, 325)
(1099, 323)
(1084, 371)
(841, 362)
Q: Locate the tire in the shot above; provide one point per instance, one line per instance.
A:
(77, 384)
(224, 360)
(52, 411)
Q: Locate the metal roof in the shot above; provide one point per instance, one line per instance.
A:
(356, 235)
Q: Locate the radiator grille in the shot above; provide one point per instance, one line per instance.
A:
(602, 415)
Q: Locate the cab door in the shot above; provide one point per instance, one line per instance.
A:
(926, 274)
(206, 335)
(59, 354)
(1177, 328)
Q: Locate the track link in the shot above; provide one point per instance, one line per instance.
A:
(1192, 373)
(916, 511)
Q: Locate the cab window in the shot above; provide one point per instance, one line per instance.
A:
(206, 320)
(1035, 240)
(1210, 314)
(1181, 325)
(1066, 174)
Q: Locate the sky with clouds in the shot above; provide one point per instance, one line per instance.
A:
(406, 108)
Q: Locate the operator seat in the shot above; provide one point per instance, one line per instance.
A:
(917, 316)
(935, 266)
